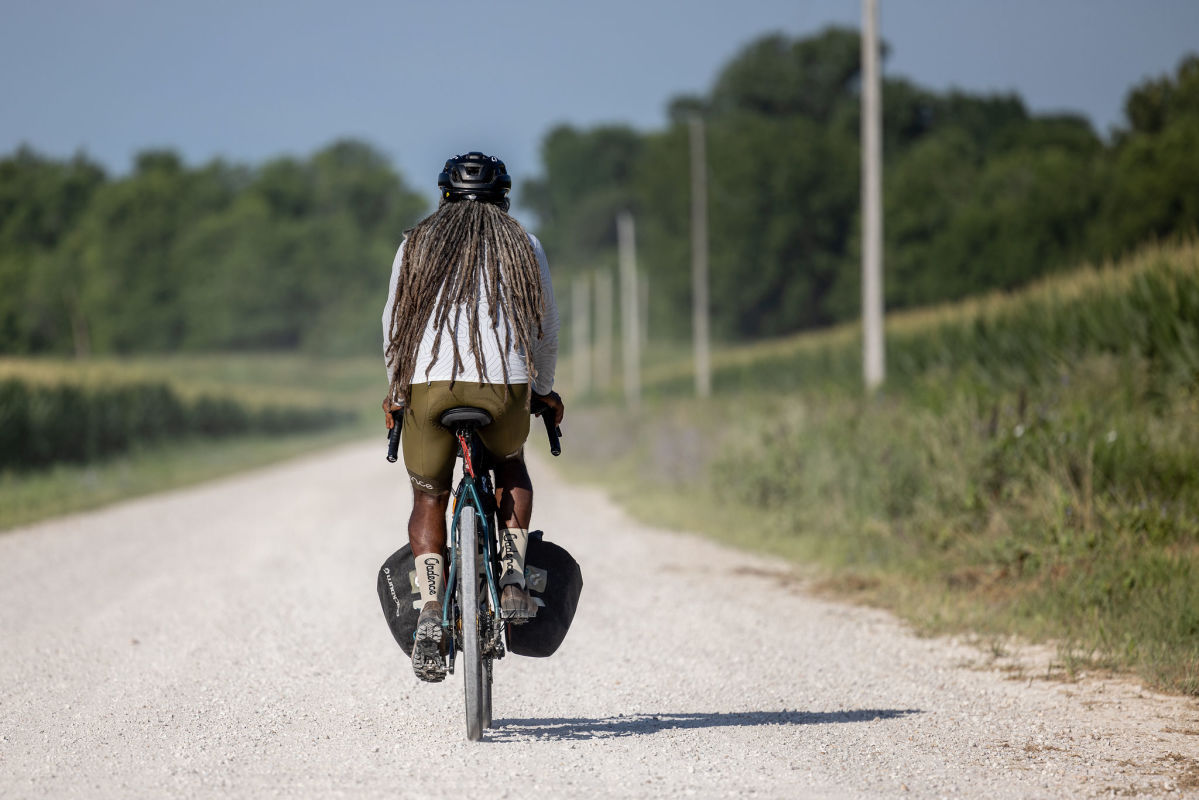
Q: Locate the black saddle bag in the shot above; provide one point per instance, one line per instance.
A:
(400, 596)
(554, 577)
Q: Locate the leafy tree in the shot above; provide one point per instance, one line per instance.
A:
(979, 193)
(1155, 174)
(961, 220)
(589, 180)
(922, 195)
(1155, 190)
(782, 194)
(41, 200)
(301, 258)
(1158, 102)
(130, 291)
(776, 76)
(294, 254)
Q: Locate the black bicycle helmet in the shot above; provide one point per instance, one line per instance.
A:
(475, 176)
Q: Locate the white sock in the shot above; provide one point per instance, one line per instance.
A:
(514, 542)
(430, 577)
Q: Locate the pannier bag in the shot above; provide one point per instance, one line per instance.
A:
(552, 576)
(400, 596)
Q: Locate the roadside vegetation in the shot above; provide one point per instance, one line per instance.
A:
(72, 423)
(1031, 468)
(78, 434)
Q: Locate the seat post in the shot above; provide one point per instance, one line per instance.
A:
(465, 421)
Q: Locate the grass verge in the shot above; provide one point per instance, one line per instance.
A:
(1033, 470)
(29, 497)
(957, 528)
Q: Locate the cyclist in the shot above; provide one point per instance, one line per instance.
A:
(470, 320)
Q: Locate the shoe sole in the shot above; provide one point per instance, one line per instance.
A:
(427, 662)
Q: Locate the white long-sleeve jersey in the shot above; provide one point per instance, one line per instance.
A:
(545, 349)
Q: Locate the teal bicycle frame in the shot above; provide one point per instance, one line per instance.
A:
(468, 493)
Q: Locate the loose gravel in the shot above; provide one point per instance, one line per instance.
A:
(226, 641)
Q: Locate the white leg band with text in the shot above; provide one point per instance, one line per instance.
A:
(430, 576)
(514, 542)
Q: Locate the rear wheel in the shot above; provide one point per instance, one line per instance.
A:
(487, 627)
(478, 709)
(487, 668)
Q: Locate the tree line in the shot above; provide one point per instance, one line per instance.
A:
(292, 254)
(979, 194)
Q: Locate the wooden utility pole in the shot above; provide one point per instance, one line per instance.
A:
(629, 317)
(873, 354)
(699, 259)
(603, 330)
(580, 337)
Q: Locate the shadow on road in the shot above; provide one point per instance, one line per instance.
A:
(564, 728)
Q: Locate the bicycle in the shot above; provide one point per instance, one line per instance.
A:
(471, 611)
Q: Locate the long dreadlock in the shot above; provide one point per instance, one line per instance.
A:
(447, 255)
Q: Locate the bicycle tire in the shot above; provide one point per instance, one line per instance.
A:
(488, 661)
(487, 677)
(468, 603)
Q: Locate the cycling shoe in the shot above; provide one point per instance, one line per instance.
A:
(516, 606)
(427, 660)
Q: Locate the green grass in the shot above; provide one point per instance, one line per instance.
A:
(1033, 468)
(257, 381)
(30, 497)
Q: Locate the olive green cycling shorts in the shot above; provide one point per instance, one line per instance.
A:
(430, 449)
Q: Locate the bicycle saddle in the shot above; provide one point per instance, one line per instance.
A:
(465, 417)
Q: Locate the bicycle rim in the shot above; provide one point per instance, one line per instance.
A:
(468, 602)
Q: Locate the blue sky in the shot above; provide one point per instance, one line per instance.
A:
(250, 80)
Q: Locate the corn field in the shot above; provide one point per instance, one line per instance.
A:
(42, 424)
(1147, 306)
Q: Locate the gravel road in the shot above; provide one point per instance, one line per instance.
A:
(226, 641)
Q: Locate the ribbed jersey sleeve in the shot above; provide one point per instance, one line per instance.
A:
(545, 349)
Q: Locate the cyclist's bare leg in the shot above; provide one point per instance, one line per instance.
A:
(426, 525)
(513, 494)
(426, 535)
(514, 502)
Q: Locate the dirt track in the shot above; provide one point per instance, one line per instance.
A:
(226, 641)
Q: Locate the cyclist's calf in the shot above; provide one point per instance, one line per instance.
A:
(426, 525)
(513, 494)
